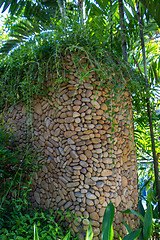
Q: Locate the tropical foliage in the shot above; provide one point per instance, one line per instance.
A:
(38, 30)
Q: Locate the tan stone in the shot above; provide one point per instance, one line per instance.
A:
(69, 119)
(95, 104)
(69, 134)
(76, 108)
(94, 216)
(101, 200)
(117, 201)
(90, 202)
(76, 114)
(91, 209)
(101, 212)
(125, 158)
(77, 102)
(96, 232)
(72, 184)
(88, 153)
(124, 181)
(83, 157)
(106, 173)
(96, 140)
(129, 205)
(104, 106)
(85, 137)
(84, 164)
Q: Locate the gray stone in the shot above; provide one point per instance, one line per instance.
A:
(90, 196)
(73, 154)
(72, 184)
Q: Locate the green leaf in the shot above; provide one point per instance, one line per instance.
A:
(89, 234)
(119, 236)
(129, 230)
(130, 211)
(147, 228)
(107, 225)
(67, 237)
(133, 235)
(36, 237)
(141, 208)
(6, 5)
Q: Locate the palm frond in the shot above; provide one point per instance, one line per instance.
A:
(153, 8)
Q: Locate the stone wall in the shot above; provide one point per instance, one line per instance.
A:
(85, 165)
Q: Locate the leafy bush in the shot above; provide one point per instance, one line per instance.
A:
(15, 164)
(17, 216)
(22, 225)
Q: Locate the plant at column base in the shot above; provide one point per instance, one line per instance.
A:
(144, 232)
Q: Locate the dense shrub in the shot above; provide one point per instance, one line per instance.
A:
(17, 216)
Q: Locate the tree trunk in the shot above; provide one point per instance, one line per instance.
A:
(111, 25)
(81, 9)
(123, 30)
(61, 4)
(149, 109)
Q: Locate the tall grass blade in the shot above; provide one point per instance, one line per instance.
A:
(129, 230)
(67, 237)
(36, 237)
(133, 235)
(89, 234)
(134, 213)
(147, 228)
(107, 225)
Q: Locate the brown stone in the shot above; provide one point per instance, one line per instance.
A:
(88, 93)
(96, 232)
(83, 109)
(69, 119)
(88, 153)
(38, 109)
(77, 102)
(37, 197)
(88, 86)
(69, 134)
(94, 216)
(99, 112)
(91, 209)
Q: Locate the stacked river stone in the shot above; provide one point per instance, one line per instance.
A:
(85, 164)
